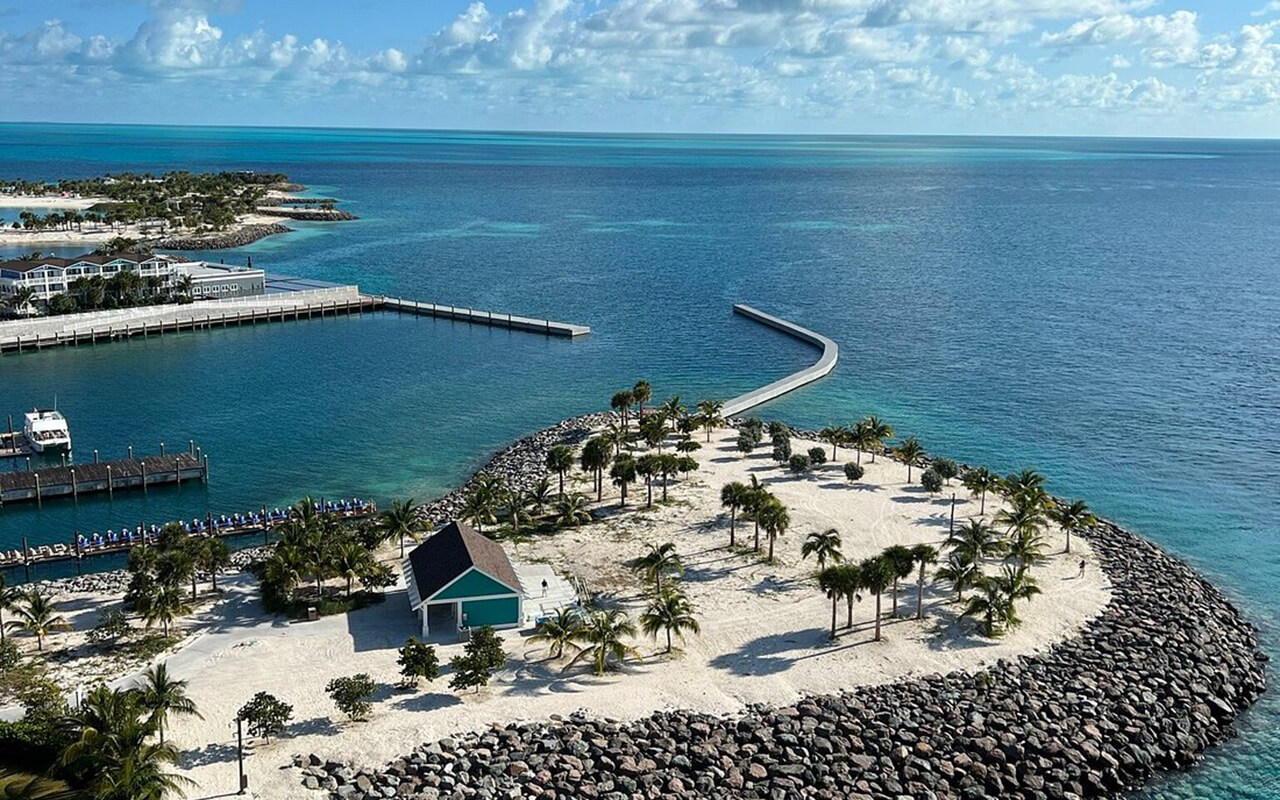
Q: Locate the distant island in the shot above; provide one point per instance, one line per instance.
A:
(176, 211)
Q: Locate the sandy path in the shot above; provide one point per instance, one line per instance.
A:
(764, 626)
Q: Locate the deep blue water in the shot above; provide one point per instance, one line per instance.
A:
(1106, 311)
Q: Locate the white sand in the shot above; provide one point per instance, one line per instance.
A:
(98, 233)
(764, 626)
(50, 202)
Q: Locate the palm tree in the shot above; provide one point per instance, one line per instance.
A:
(540, 496)
(571, 510)
(961, 571)
(709, 415)
(1073, 517)
(1027, 549)
(9, 598)
(600, 639)
(622, 402)
(1028, 486)
(823, 546)
(38, 616)
(833, 435)
(977, 540)
(560, 461)
(112, 748)
(989, 603)
(901, 563)
(850, 578)
(480, 508)
(909, 451)
(517, 501)
(877, 431)
(350, 561)
(595, 457)
(734, 496)
(401, 520)
(877, 575)
(640, 394)
(214, 556)
(647, 466)
(672, 611)
(654, 430)
(830, 582)
(1017, 584)
(164, 605)
(162, 696)
(1025, 518)
(673, 409)
(925, 556)
(979, 481)
(660, 560)
(757, 498)
(773, 517)
(559, 631)
(623, 473)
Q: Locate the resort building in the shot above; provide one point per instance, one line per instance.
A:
(459, 579)
(49, 277)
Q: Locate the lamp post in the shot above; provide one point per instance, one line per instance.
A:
(244, 781)
(951, 527)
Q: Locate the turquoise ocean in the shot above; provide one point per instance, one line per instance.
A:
(1105, 311)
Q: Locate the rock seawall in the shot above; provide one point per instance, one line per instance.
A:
(1147, 686)
(241, 236)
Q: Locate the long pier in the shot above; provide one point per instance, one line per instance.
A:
(105, 476)
(819, 369)
(491, 318)
(251, 311)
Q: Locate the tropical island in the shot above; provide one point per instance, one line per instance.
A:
(705, 607)
(176, 211)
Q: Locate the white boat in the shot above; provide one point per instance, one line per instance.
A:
(46, 430)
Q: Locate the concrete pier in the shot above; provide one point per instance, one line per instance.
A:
(492, 318)
(820, 368)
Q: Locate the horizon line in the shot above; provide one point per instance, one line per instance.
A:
(641, 133)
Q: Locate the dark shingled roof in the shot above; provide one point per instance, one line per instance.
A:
(453, 550)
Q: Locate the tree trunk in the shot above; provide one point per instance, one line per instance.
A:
(193, 584)
(859, 457)
(877, 616)
(771, 547)
(213, 580)
(756, 546)
(668, 640)
(834, 598)
(848, 612)
(733, 523)
(664, 487)
(833, 451)
(562, 483)
(648, 482)
(920, 596)
(982, 504)
(348, 587)
(908, 473)
(1068, 530)
(895, 597)
(623, 504)
(1, 626)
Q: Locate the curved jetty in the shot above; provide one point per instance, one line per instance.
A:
(820, 368)
(1147, 686)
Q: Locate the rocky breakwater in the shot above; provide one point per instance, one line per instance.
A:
(519, 465)
(238, 237)
(308, 214)
(1150, 684)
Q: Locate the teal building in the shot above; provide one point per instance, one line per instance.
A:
(459, 579)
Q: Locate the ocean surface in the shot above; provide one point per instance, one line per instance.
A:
(1106, 311)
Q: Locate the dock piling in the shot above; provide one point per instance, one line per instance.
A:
(95, 456)
(111, 486)
(162, 448)
(38, 489)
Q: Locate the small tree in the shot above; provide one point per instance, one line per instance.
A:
(945, 467)
(854, 472)
(746, 443)
(817, 456)
(112, 625)
(781, 449)
(265, 715)
(798, 463)
(483, 656)
(352, 694)
(931, 481)
(417, 661)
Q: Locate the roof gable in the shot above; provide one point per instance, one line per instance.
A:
(473, 583)
(452, 551)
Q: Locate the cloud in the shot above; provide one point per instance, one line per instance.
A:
(1175, 31)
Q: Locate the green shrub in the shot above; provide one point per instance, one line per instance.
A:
(353, 694)
(10, 656)
(854, 472)
(931, 481)
(745, 443)
(112, 625)
(417, 661)
(265, 715)
(817, 456)
(799, 463)
(781, 450)
(946, 468)
(483, 656)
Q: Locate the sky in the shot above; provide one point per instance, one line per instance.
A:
(1023, 67)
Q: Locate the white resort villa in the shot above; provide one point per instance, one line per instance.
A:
(49, 277)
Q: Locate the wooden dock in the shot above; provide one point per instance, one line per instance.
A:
(106, 476)
(13, 445)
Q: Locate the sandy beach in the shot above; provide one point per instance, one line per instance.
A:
(93, 234)
(764, 626)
